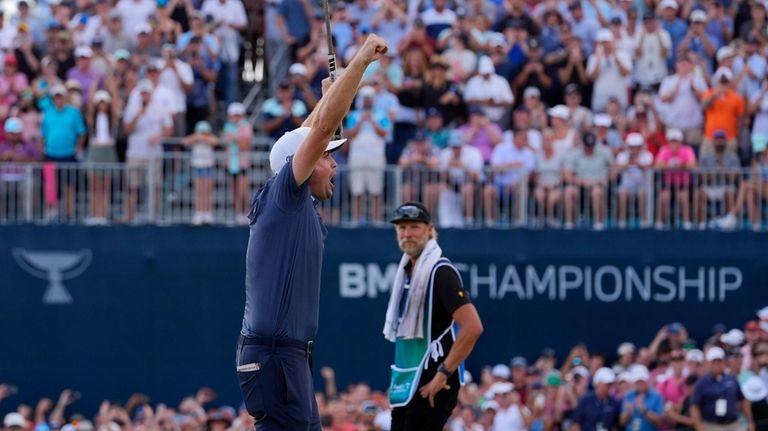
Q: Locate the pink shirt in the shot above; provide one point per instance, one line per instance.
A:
(10, 87)
(672, 390)
(673, 159)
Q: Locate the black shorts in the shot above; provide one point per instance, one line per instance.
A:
(276, 384)
(418, 415)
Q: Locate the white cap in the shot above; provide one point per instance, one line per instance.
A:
(501, 371)
(698, 16)
(624, 376)
(715, 353)
(626, 348)
(531, 92)
(14, 420)
(501, 388)
(724, 53)
(639, 373)
(668, 3)
(145, 86)
(754, 389)
(58, 89)
(603, 120)
(497, 39)
(635, 140)
(762, 313)
(83, 51)
(674, 135)
(604, 375)
(604, 35)
(236, 108)
(581, 371)
(467, 377)
(144, 28)
(486, 67)
(367, 91)
(723, 72)
(297, 69)
(101, 96)
(559, 111)
(694, 355)
(491, 404)
(287, 145)
(734, 337)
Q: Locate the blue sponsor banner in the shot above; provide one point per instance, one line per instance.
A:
(111, 311)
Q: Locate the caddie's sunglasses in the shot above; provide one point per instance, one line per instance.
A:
(408, 211)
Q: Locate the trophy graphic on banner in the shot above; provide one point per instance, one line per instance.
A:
(54, 266)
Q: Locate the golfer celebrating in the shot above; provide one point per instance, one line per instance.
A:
(427, 300)
(284, 258)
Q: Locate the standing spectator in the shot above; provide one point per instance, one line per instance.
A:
(389, 22)
(14, 149)
(572, 73)
(410, 97)
(608, 69)
(419, 163)
(535, 112)
(63, 130)
(510, 164)
(102, 121)
(463, 166)
(598, 410)
(177, 77)
(756, 26)
(758, 106)
(12, 82)
(135, 13)
(606, 135)
(293, 23)
(677, 160)
(230, 19)
(435, 131)
(565, 138)
(749, 68)
(114, 36)
(441, 94)
(283, 112)
(367, 130)
(717, 399)
(490, 91)
(680, 95)
(756, 392)
(586, 171)
(83, 74)
(673, 387)
(585, 28)
(297, 75)
(533, 73)
(720, 24)
(513, 415)
(675, 27)
(752, 192)
(238, 135)
(717, 181)
(697, 40)
(205, 73)
(549, 168)
(652, 47)
(643, 405)
(481, 133)
(202, 161)
(30, 117)
(633, 165)
(199, 33)
(723, 109)
(581, 117)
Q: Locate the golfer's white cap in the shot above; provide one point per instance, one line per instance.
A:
(287, 145)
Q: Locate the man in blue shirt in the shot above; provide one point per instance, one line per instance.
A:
(717, 399)
(284, 259)
(598, 410)
(643, 406)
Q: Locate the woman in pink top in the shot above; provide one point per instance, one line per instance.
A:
(676, 160)
(12, 82)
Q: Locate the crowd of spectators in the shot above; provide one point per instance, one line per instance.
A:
(674, 382)
(602, 90)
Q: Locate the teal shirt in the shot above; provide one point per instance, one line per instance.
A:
(60, 129)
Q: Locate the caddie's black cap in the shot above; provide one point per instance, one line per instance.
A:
(411, 211)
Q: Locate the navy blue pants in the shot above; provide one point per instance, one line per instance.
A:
(276, 384)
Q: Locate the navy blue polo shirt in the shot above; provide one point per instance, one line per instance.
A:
(593, 411)
(710, 389)
(285, 255)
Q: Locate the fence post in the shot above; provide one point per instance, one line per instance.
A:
(28, 192)
(154, 206)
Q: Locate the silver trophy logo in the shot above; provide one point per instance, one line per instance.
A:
(54, 266)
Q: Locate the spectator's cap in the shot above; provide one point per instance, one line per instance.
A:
(674, 135)
(531, 92)
(13, 125)
(519, 361)
(675, 328)
(145, 86)
(486, 67)
(14, 420)
(114, 15)
(122, 54)
(501, 388)
(604, 35)
(698, 16)
(515, 23)
(155, 65)
(203, 127)
(627, 348)
(533, 43)
(554, 378)
(672, 4)
(73, 85)
(762, 313)
(559, 111)
(759, 142)
(475, 109)
(365, 29)
(624, 376)
(752, 325)
(501, 371)
(455, 139)
(368, 408)
(83, 51)
(734, 337)
(419, 136)
(467, 377)
(84, 425)
(418, 22)
(411, 211)
(720, 134)
(491, 405)
(754, 389)
(576, 4)
(144, 28)
(605, 376)
(367, 92)
(171, 47)
(340, 5)
(589, 139)
(235, 108)
(547, 352)
(497, 40)
(723, 73)
(648, 15)
(101, 96)
(639, 373)
(634, 140)
(725, 53)
(580, 371)
(572, 88)
(719, 327)
(218, 416)
(694, 355)
(287, 145)
(603, 120)
(715, 353)
(297, 69)
(58, 90)
(461, 12)
(10, 60)
(434, 112)
(616, 20)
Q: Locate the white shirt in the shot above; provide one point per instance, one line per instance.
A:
(202, 156)
(610, 82)
(162, 100)
(471, 160)
(102, 133)
(550, 170)
(150, 124)
(651, 66)
(496, 88)
(172, 81)
(232, 13)
(510, 419)
(7, 36)
(506, 153)
(684, 110)
(134, 13)
(433, 17)
(563, 146)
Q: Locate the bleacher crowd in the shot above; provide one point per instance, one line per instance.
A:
(719, 382)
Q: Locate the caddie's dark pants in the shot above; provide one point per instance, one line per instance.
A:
(419, 416)
(276, 383)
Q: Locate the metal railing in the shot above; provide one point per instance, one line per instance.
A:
(171, 190)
